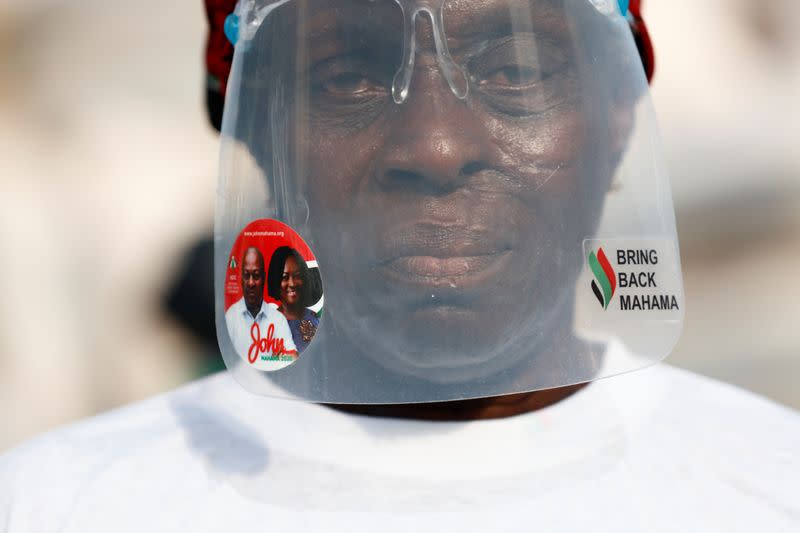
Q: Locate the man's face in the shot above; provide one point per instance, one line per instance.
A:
(253, 279)
(449, 231)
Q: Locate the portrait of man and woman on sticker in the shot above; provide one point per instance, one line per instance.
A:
(273, 295)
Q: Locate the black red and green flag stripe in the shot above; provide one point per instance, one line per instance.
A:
(604, 284)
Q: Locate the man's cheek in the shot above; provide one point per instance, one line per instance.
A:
(541, 151)
(335, 168)
(339, 165)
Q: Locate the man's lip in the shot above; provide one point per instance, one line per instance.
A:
(420, 246)
(446, 275)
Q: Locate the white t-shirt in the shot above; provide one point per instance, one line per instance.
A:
(656, 450)
(240, 328)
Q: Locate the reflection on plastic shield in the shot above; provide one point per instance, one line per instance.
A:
(448, 218)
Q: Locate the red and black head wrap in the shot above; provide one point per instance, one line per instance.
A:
(642, 38)
(219, 57)
(219, 52)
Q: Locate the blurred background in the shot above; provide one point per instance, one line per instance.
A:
(108, 173)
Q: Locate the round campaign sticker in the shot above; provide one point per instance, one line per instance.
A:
(273, 295)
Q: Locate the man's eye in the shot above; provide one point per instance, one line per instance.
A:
(348, 84)
(514, 76)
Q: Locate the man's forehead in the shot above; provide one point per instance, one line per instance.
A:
(468, 16)
(461, 17)
(251, 258)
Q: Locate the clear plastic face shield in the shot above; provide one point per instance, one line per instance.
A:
(476, 187)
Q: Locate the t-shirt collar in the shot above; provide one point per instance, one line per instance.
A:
(261, 312)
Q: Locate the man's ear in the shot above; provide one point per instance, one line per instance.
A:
(630, 86)
(621, 121)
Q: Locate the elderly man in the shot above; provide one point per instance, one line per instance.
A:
(452, 166)
(449, 165)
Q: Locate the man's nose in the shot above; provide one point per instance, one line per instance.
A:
(436, 142)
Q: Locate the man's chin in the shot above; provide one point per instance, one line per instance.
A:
(444, 344)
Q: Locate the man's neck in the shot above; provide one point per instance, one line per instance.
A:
(562, 345)
(463, 410)
(253, 311)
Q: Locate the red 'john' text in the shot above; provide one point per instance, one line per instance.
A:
(268, 344)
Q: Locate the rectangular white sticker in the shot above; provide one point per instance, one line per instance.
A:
(627, 287)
